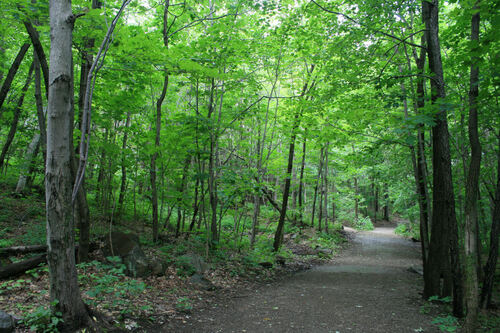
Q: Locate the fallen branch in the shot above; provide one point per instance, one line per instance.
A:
(19, 268)
(15, 250)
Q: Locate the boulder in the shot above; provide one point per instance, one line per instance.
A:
(157, 267)
(126, 246)
(7, 322)
(199, 265)
(200, 282)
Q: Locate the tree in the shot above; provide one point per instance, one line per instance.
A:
(443, 248)
(64, 289)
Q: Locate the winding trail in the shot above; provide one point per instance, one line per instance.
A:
(368, 288)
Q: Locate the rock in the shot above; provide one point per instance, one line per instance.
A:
(201, 282)
(416, 269)
(127, 247)
(157, 267)
(325, 251)
(7, 322)
(266, 264)
(198, 263)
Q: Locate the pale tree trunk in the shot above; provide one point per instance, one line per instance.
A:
(64, 287)
(28, 159)
(472, 187)
(444, 241)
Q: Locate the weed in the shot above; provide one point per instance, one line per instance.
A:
(42, 319)
(183, 305)
(446, 323)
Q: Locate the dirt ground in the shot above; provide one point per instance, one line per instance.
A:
(368, 288)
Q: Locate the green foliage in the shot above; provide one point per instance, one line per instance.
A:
(183, 304)
(184, 266)
(363, 223)
(110, 281)
(43, 319)
(408, 230)
(446, 323)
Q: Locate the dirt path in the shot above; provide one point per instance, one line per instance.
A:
(367, 289)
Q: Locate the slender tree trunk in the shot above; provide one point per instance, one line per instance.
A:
(11, 74)
(472, 187)
(356, 199)
(123, 184)
(181, 189)
(15, 120)
(325, 186)
(159, 102)
(278, 236)
(37, 45)
(28, 159)
(444, 241)
(64, 289)
(301, 179)
(386, 202)
(320, 167)
(491, 263)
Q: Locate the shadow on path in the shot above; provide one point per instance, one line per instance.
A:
(368, 288)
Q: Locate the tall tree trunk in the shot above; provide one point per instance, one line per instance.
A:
(212, 183)
(159, 102)
(181, 189)
(325, 186)
(15, 120)
(123, 184)
(316, 187)
(491, 263)
(444, 241)
(278, 236)
(64, 289)
(356, 199)
(12, 73)
(301, 179)
(82, 214)
(472, 185)
(386, 202)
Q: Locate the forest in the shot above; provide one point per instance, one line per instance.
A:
(217, 132)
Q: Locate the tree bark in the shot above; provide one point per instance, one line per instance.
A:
(20, 267)
(320, 167)
(123, 183)
(12, 73)
(472, 186)
(444, 241)
(60, 225)
(325, 187)
(28, 159)
(37, 45)
(491, 263)
(278, 236)
(301, 179)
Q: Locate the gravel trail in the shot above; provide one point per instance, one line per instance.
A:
(368, 288)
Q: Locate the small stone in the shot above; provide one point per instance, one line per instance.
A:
(7, 322)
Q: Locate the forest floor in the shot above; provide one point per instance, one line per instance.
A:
(370, 287)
